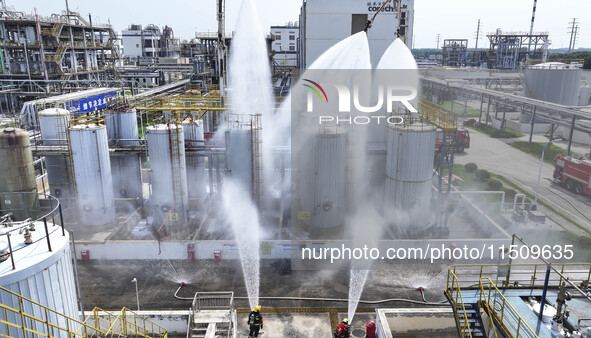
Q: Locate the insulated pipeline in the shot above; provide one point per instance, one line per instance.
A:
(371, 302)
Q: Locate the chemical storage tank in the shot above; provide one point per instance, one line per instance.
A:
(44, 276)
(553, 82)
(92, 168)
(122, 126)
(194, 136)
(239, 157)
(584, 94)
(122, 129)
(166, 148)
(54, 124)
(17, 173)
(323, 179)
(409, 172)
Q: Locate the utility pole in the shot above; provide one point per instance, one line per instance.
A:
(477, 34)
(572, 28)
(575, 36)
(438, 39)
(531, 29)
(221, 45)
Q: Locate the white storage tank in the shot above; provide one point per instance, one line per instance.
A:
(54, 124)
(122, 129)
(323, 179)
(166, 148)
(92, 168)
(122, 126)
(239, 157)
(194, 137)
(44, 276)
(553, 82)
(584, 94)
(409, 172)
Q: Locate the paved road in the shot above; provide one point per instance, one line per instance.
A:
(497, 156)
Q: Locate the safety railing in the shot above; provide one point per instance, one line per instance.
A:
(520, 275)
(454, 294)
(32, 319)
(38, 321)
(502, 311)
(439, 116)
(221, 300)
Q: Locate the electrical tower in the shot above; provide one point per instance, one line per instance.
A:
(573, 34)
(438, 39)
(477, 37)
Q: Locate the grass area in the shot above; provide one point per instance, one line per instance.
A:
(470, 180)
(535, 149)
(496, 133)
(459, 108)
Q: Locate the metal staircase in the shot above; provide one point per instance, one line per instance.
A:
(485, 303)
(32, 319)
(212, 315)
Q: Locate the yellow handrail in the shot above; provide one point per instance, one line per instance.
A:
(509, 318)
(463, 327)
(46, 322)
(441, 117)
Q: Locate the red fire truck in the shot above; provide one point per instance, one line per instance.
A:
(462, 140)
(573, 173)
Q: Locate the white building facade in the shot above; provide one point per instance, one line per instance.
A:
(285, 44)
(323, 24)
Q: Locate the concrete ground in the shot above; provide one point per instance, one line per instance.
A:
(497, 156)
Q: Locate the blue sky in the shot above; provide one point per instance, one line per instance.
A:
(450, 18)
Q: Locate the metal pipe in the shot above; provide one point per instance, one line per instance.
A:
(47, 233)
(543, 301)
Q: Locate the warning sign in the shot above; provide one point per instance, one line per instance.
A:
(303, 215)
(267, 247)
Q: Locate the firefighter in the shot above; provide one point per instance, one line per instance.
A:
(255, 320)
(342, 330)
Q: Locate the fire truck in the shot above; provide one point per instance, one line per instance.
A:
(462, 140)
(574, 174)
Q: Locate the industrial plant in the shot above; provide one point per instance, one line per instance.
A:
(316, 177)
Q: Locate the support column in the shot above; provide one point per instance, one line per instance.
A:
(570, 135)
(532, 122)
(480, 111)
(488, 110)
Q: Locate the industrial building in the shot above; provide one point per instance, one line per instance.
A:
(171, 211)
(62, 46)
(322, 25)
(285, 45)
(150, 42)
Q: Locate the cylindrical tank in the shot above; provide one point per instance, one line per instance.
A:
(166, 148)
(92, 167)
(43, 276)
(239, 157)
(17, 173)
(553, 82)
(409, 172)
(324, 179)
(193, 131)
(54, 124)
(122, 126)
(584, 94)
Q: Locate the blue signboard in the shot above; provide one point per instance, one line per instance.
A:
(90, 104)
